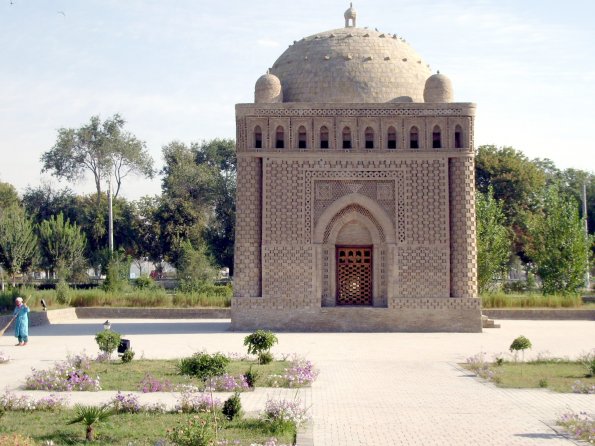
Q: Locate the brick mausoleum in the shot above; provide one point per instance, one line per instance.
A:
(355, 192)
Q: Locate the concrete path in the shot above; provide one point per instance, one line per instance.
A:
(373, 388)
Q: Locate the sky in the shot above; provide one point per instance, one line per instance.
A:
(175, 69)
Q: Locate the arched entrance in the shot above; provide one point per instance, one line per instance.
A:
(354, 238)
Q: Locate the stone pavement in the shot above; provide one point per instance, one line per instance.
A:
(373, 388)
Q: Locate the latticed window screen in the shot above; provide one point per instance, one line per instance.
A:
(354, 275)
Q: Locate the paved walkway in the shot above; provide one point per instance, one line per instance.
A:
(373, 388)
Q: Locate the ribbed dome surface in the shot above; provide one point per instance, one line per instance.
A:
(351, 65)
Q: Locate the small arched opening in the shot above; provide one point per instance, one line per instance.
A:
(324, 137)
(346, 138)
(257, 137)
(414, 138)
(458, 137)
(369, 137)
(391, 138)
(436, 138)
(302, 138)
(280, 138)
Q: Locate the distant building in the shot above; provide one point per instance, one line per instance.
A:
(356, 198)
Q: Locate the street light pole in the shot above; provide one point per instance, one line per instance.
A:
(586, 219)
(111, 215)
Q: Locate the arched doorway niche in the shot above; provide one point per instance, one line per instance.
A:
(353, 221)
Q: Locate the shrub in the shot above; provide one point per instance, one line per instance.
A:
(127, 356)
(284, 415)
(251, 376)
(126, 403)
(588, 362)
(543, 383)
(260, 343)
(197, 402)
(521, 343)
(66, 375)
(145, 283)
(151, 384)
(581, 387)
(89, 416)
(478, 365)
(581, 426)
(300, 373)
(232, 407)
(227, 383)
(203, 365)
(195, 431)
(12, 402)
(118, 271)
(62, 293)
(108, 341)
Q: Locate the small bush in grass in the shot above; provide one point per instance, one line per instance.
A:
(581, 387)
(588, 362)
(62, 293)
(520, 344)
(301, 372)
(232, 407)
(127, 356)
(251, 376)
(203, 365)
(197, 402)
(108, 341)
(478, 365)
(90, 416)
(260, 343)
(284, 415)
(128, 403)
(151, 384)
(64, 376)
(227, 383)
(543, 383)
(581, 426)
(195, 431)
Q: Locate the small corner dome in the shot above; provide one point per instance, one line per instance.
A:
(268, 89)
(438, 88)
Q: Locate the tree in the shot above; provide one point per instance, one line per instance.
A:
(8, 196)
(18, 243)
(146, 231)
(493, 240)
(90, 416)
(194, 268)
(260, 343)
(199, 197)
(100, 148)
(559, 246)
(517, 182)
(45, 201)
(62, 245)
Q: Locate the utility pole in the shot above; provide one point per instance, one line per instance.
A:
(110, 229)
(586, 219)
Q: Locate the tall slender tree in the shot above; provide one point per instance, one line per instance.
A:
(18, 242)
(62, 245)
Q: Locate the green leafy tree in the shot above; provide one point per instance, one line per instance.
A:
(146, 231)
(108, 341)
(8, 196)
(199, 198)
(559, 246)
(101, 148)
(520, 344)
(62, 245)
(45, 201)
(516, 181)
(260, 343)
(194, 268)
(18, 242)
(493, 240)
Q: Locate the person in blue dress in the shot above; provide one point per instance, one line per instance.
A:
(21, 324)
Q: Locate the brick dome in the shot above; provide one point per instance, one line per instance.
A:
(351, 65)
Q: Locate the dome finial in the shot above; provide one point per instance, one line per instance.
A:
(350, 14)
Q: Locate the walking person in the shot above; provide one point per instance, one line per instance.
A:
(21, 323)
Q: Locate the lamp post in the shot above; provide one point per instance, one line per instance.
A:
(107, 325)
(110, 228)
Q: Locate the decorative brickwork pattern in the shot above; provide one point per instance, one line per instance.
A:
(284, 189)
(463, 243)
(247, 277)
(425, 202)
(422, 272)
(287, 270)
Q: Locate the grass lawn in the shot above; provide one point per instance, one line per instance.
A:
(555, 375)
(124, 429)
(117, 375)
